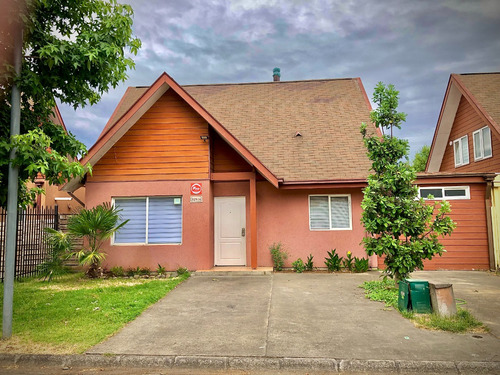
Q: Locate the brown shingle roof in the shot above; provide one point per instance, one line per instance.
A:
(486, 90)
(264, 117)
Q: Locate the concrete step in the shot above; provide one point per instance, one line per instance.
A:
(234, 271)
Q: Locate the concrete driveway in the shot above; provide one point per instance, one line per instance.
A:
(304, 316)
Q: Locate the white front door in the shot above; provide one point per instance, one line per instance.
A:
(230, 231)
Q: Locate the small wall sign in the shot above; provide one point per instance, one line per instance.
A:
(196, 199)
(196, 188)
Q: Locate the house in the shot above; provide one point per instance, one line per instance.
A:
(230, 169)
(67, 202)
(215, 174)
(467, 141)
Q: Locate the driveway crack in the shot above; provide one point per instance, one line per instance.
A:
(269, 314)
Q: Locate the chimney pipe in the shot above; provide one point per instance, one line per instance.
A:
(276, 74)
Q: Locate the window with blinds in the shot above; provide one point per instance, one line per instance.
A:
(152, 220)
(330, 212)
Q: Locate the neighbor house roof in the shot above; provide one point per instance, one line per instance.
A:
(482, 91)
(265, 118)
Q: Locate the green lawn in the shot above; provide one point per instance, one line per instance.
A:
(387, 292)
(72, 313)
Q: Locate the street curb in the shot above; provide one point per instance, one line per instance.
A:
(252, 363)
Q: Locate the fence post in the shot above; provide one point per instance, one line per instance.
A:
(56, 217)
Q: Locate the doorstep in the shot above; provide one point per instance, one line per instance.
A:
(234, 271)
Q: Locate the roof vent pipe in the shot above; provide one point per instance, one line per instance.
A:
(276, 74)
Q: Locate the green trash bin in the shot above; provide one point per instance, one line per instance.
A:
(420, 298)
(404, 295)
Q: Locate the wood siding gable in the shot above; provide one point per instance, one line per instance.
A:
(164, 144)
(466, 122)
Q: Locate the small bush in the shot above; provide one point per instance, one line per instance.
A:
(145, 271)
(182, 271)
(348, 261)
(279, 256)
(299, 266)
(361, 265)
(117, 271)
(130, 272)
(161, 270)
(333, 261)
(309, 264)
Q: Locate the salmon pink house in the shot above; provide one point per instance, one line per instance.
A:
(214, 174)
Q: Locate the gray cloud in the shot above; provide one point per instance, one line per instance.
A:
(413, 44)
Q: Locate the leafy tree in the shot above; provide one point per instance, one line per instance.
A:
(420, 160)
(400, 226)
(74, 51)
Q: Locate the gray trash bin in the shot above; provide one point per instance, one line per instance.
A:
(443, 299)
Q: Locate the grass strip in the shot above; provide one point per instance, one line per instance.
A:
(73, 313)
(387, 292)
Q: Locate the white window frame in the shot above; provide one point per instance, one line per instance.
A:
(481, 147)
(443, 189)
(147, 222)
(460, 142)
(330, 211)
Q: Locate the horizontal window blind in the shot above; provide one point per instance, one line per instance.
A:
(319, 213)
(329, 212)
(152, 220)
(133, 210)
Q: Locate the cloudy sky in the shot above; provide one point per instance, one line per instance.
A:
(414, 45)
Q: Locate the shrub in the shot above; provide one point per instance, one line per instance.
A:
(333, 261)
(161, 270)
(182, 271)
(347, 262)
(361, 265)
(130, 272)
(117, 271)
(145, 271)
(60, 245)
(309, 264)
(279, 256)
(298, 266)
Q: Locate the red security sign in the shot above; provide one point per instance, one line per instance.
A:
(196, 188)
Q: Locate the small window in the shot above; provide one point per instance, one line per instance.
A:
(461, 150)
(445, 193)
(482, 143)
(152, 220)
(330, 212)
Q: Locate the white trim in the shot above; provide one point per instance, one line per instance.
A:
(444, 188)
(146, 243)
(460, 142)
(63, 198)
(330, 211)
(481, 147)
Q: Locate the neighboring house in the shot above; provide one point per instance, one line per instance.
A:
(215, 174)
(467, 140)
(67, 202)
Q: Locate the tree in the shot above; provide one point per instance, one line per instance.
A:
(74, 51)
(420, 160)
(400, 226)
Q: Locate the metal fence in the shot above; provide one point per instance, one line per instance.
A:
(31, 246)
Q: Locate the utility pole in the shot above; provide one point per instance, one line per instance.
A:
(10, 243)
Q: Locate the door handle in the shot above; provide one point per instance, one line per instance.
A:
(243, 232)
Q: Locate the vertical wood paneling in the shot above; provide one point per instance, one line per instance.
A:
(164, 144)
(466, 122)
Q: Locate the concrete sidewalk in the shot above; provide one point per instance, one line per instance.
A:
(307, 316)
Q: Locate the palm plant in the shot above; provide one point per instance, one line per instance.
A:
(94, 226)
(60, 245)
